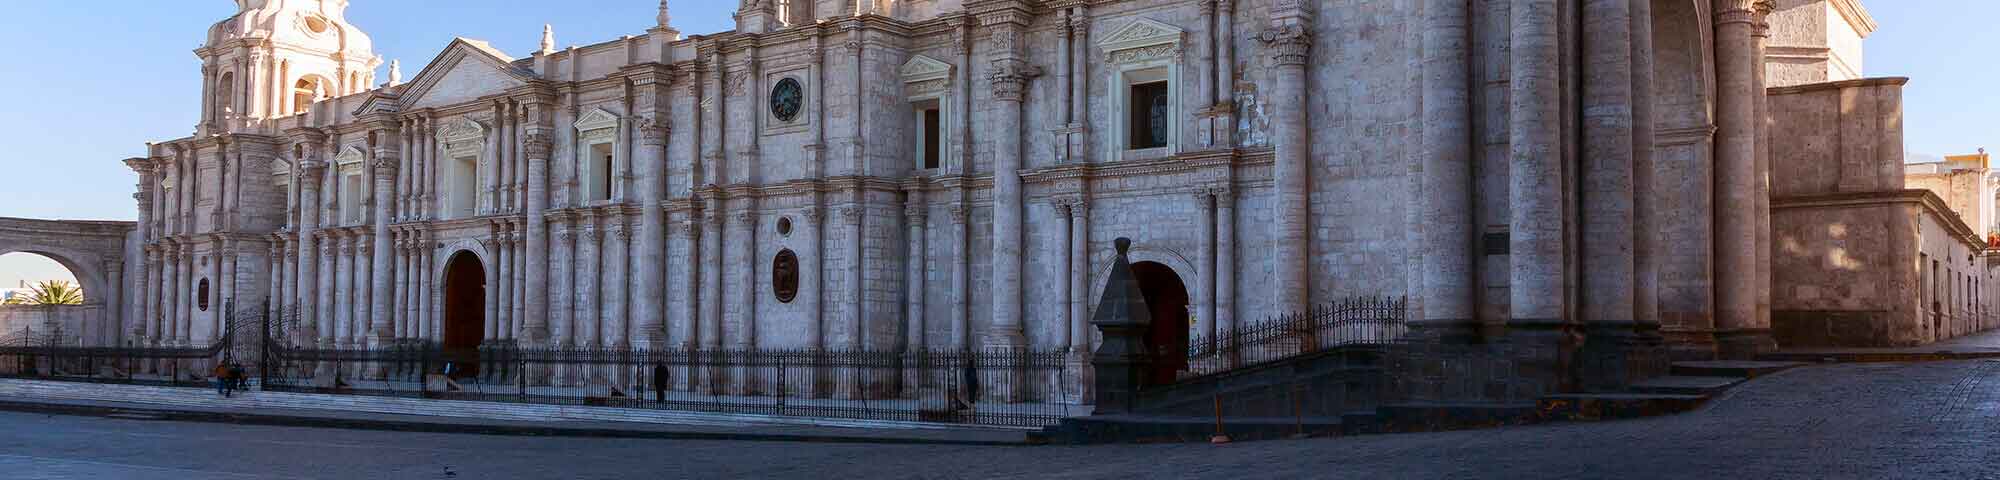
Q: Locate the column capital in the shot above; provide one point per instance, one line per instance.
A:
(812, 215)
(1009, 78)
(746, 218)
(1288, 44)
(916, 212)
(958, 212)
(653, 129)
(851, 214)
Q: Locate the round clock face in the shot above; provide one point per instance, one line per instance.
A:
(786, 99)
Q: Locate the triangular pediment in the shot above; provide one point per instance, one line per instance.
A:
(595, 119)
(349, 155)
(461, 128)
(921, 68)
(1142, 32)
(468, 69)
(381, 100)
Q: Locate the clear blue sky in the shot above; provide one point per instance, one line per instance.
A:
(87, 88)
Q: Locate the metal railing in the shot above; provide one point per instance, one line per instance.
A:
(1353, 321)
(1002, 388)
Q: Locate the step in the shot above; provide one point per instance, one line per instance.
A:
(1433, 417)
(1686, 385)
(1176, 429)
(1731, 368)
(1611, 406)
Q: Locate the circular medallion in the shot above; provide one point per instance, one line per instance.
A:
(787, 98)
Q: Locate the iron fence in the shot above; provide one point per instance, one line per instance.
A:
(1001, 388)
(1353, 321)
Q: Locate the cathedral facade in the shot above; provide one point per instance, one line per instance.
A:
(950, 174)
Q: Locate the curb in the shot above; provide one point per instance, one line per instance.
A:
(71, 409)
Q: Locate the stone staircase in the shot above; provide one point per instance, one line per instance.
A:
(1687, 386)
(169, 398)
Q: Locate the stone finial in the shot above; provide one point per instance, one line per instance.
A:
(1122, 303)
(663, 19)
(395, 72)
(548, 39)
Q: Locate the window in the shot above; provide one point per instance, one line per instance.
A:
(350, 196)
(306, 91)
(463, 143)
(464, 182)
(597, 156)
(930, 143)
(1147, 121)
(201, 295)
(600, 171)
(225, 95)
(785, 276)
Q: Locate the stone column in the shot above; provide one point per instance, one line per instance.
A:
(1289, 42)
(615, 283)
(961, 313)
(561, 298)
(650, 304)
(812, 279)
(539, 142)
(914, 283)
(402, 285)
(1739, 335)
(148, 328)
(366, 317)
(382, 319)
(688, 283)
(169, 324)
(1008, 75)
(310, 172)
(1535, 178)
(711, 272)
(350, 305)
(1760, 37)
(1448, 296)
(1225, 263)
(1608, 234)
(184, 336)
(329, 248)
(429, 291)
(144, 226)
(589, 328)
(502, 288)
(851, 218)
(743, 240)
(1079, 278)
(1645, 222)
(1204, 296)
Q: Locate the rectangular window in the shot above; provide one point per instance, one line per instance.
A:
(464, 185)
(600, 171)
(350, 198)
(932, 144)
(1146, 107)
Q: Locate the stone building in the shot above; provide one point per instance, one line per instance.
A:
(949, 174)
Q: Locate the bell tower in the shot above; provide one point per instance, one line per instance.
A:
(275, 58)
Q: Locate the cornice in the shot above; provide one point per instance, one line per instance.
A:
(1856, 16)
(1843, 84)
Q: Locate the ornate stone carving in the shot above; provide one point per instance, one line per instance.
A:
(653, 130)
(958, 212)
(1009, 79)
(812, 215)
(538, 145)
(746, 218)
(1289, 44)
(916, 212)
(851, 215)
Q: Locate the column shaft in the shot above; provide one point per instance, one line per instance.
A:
(1535, 172)
(914, 282)
(590, 329)
(649, 305)
(615, 284)
(858, 336)
(1738, 333)
(1608, 233)
(1290, 46)
(1205, 267)
(711, 277)
(1448, 296)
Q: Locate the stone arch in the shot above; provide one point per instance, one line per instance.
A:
(1181, 263)
(94, 252)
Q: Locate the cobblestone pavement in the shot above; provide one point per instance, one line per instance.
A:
(1933, 420)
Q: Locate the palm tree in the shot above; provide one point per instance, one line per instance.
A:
(49, 292)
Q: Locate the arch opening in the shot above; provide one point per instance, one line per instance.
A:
(22, 272)
(464, 309)
(1167, 303)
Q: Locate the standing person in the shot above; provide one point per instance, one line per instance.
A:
(660, 376)
(236, 377)
(221, 376)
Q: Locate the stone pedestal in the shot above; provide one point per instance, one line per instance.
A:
(1122, 361)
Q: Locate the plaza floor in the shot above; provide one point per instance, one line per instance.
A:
(1922, 420)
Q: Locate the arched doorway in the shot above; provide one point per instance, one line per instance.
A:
(1167, 303)
(464, 309)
